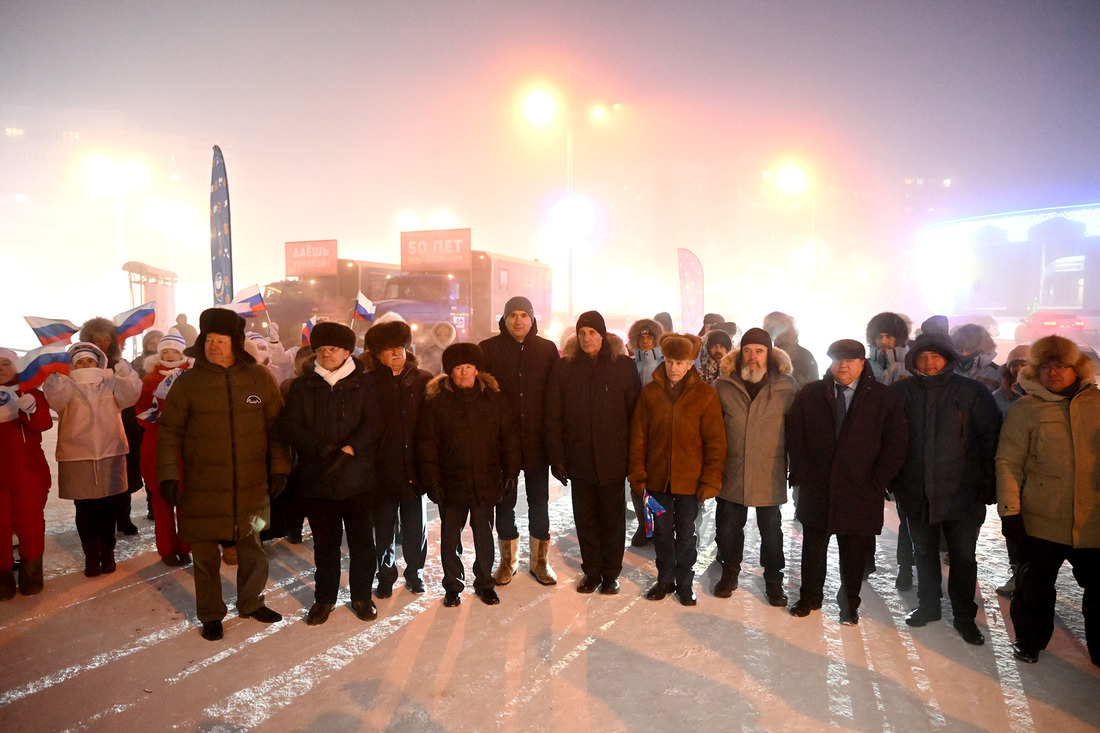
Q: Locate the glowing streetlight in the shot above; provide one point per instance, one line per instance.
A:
(540, 108)
(791, 179)
(115, 178)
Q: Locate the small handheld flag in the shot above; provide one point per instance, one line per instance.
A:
(135, 321)
(364, 308)
(652, 509)
(37, 364)
(248, 302)
(307, 330)
(51, 330)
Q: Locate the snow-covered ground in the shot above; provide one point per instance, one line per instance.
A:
(123, 652)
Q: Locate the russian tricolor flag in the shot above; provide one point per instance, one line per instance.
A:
(307, 330)
(136, 321)
(248, 302)
(40, 363)
(364, 308)
(51, 330)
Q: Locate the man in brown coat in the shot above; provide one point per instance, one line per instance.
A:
(219, 426)
(677, 449)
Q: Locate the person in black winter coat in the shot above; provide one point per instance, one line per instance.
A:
(589, 402)
(521, 360)
(400, 386)
(842, 458)
(332, 418)
(469, 454)
(947, 476)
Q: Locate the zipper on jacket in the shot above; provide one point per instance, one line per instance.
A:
(232, 450)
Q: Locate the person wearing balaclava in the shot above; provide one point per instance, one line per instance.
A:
(521, 361)
(92, 447)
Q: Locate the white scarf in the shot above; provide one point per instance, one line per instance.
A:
(336, 374)
(88, 375)
(170, 366)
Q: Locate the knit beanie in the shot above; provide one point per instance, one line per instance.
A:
(718, 336)
(464, 352)
(330, 333)
(756, 336)
(171, 340)
(593, 320)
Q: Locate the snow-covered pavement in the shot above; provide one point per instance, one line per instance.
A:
(123, 652)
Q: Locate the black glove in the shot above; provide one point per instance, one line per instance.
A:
(336, 465)
(276, 483)
(510, 484)
(170, 492)
(435, 494)
(326, 451)
(1012, 527)
(558, 472)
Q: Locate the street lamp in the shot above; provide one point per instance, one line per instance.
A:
(115, 178)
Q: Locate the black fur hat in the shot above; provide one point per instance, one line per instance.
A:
(464, 352)
(329, 333)
(891, 323)
(387, 335)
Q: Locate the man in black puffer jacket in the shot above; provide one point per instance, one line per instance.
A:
(400, 384)
(947, 478)
(520, 360)
(469, 457)
(332, 420)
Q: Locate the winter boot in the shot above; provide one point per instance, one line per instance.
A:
(727, 584)
(539, 562)
(639, 539)
(509, 561)
(92, 562)
(7, 584)
(30, 576)
(107, 555)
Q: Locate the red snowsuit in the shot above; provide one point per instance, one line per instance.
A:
(24, 481)
(166, 519)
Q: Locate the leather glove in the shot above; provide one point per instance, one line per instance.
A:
(435, 494)
(326, 451)
(558, 472)
(1012, 527)
(276, 484)
(170, 492)
(26, 404)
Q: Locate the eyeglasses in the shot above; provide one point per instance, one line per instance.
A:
(1053, 366)
(327, 350)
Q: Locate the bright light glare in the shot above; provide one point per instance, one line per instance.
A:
(599, 113)
(408, 221)
(106, 175)
(791, 179)
(573, 218)
(540, 108)
(441, 219)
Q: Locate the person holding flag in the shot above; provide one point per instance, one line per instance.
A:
(92, 446)
(24, 480)
(51, 330)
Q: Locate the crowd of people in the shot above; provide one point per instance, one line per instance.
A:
(233, 449)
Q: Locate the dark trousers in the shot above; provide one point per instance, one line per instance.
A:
(329, 518)
(414, 537)
(853, 550)
(251, 577)
(962, 577)
(1032, 606)
(95, 519)
(452, 521)
(729, 525)
(674, 538)
(536, 482)
(905, 542)
(600, 516)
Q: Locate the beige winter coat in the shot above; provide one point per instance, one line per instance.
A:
(1047, 464)
(756, 449)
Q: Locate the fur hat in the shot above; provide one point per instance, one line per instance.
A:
(94, 326)
(891, 323)
(970, 338)
(1020, 353)
(642, 327)
(593, 320)
(1057, 349)
(710, 319)
(718, 336)
(756, 336)
(680, 346)
(221, 321)
(389, 335)
(330, 333)
(846, 349)
(464, 352)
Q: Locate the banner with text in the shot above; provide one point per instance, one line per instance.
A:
(435, 250)
(311, 259)
(221, 243)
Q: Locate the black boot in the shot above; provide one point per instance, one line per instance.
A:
(92, 566)
(7, 584)
(639, 539)
(107, 555)
(30, 577)
(727, 584)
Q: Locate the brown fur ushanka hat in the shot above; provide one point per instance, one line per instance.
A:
(1057, 349)
(680, 346)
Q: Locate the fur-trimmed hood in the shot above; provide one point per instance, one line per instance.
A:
(779, 361)
(443, 382)
(635, 331)
(93, 326)
(612, 343)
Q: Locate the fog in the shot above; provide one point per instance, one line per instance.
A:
(355, 121)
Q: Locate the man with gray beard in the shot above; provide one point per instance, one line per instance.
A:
(756, 391)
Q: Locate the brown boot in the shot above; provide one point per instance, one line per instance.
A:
(7, 584)
(92, 566)
(509, 561)
(30, 576)
(539, 562)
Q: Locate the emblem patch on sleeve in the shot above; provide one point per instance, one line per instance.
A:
(253, 399)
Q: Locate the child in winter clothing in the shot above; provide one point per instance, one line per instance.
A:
(24, 480)
(92, 446)
(169, 364)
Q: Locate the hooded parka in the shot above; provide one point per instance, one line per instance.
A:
(756, 458)
(843, 478)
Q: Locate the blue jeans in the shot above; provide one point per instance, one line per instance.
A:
(536, 481)
(729, 526)
(414, 537)
(674, 538)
